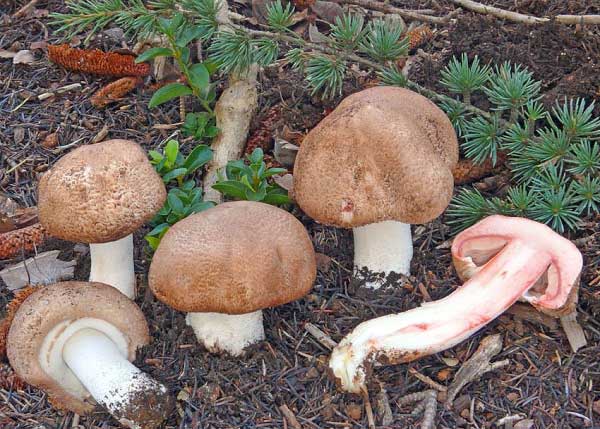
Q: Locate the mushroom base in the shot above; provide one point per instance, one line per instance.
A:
(382, 247)
(112, 264)
(230, 333)
(130, 395)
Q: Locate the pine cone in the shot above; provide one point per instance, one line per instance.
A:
(419, 36)
(95, 61)
(114, 91)
(24, 239)
(11, 309)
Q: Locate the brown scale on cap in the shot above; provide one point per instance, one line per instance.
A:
(386, 153)
(100, 193)
(236, 258)
(51, 305)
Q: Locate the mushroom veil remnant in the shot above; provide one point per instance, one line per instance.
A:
(227, 263)
(505, 259)
(100, 194)
(76, 341)
(382, 160)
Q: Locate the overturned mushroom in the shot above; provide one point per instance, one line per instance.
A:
(505, 259)
(76, 341)
(382, 160)
(225, 264)
(100, 194)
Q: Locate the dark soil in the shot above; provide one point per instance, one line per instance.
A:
(544, 382)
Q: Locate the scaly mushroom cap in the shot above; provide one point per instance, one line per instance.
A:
(555, 293)
(384, 153)
(68, 302)
(235, 258)
(100, 193)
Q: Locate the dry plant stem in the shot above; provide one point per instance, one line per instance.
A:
(233, 113)
(320, 336)
(382, 7)
(290, 417)
(476, 366)
(25, 9)
(368, 409)
(526, 19)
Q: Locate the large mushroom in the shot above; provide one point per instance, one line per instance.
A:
(505, 259)
(76, 341)
(380, 161)
(100, 194)
(225, 264)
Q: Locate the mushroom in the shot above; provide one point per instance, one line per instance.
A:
(505, 259)
(380, 161)
(227, 263)
(100, 194)
(76, 341)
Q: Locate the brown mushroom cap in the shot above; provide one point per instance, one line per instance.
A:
(100, 193)
(235, 258)
(68, 301)
(384, 153)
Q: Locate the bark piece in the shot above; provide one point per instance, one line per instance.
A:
(44, 268)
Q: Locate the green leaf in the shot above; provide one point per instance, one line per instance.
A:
(174, 174)
(201, 206)
(211, 66)
(153, 53)
(211, 131)
(188, 34)
(231, 188)
(256, 156)
(273, 172)
(247, 183)
(197, 158)
(277, 198)
(175, 203)
(153, 242)
(256, 196)
(199, 76)
(168, 92)
(171, 151)
(159, 229)
(156, 156)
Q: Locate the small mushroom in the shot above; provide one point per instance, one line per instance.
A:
(227, 263)
(100, 194)
(76, 341)
(380, 161)
(505, 259)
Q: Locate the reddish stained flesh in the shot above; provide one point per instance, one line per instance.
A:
(441, 324)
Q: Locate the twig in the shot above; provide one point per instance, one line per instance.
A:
(368, 409)
(526, 19)
(404, 13)
(427, 402)
(526, 312)
(427, 380)
(290, 417)
(320, 336)
(383, 407)
(25, 9)
(476, 366)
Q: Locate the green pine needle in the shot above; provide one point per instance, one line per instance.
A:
(457, 114)
(464, 78)
(557, 209)
(326, 74)
(587, 194)
(511, 87)
(348, 32)
(576, 119)
(280, 17)
(482, 139)
(392, 76)
(384, 42)
(584, 157)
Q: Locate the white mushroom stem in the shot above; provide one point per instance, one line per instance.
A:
(110, 378)
(230, 333)
(439, 325)
(383, 247)
(112, 264)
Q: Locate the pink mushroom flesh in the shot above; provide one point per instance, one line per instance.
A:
(504, 258)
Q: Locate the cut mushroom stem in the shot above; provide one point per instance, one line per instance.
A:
(383, 247)
(521, 259)
(229, 333)
(112, 264)
(111, 379)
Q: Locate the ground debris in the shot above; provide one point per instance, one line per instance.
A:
(44, 268)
